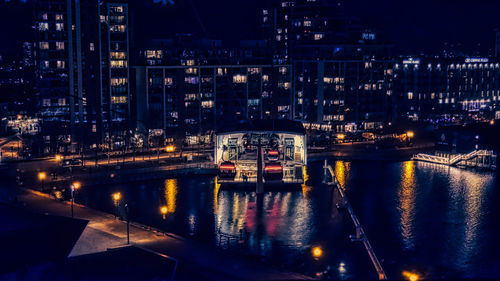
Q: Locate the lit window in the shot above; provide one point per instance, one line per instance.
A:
(410, 95)
(117, 28)
(207, 104)
(60, 64)
(264, 12)
(307, 23)
(59, 26)
(117, 55)
(92, 47)
(190, 62)
(191, 80)
(318, 36)
(191, 70)
(154, 54)
(45, 17)
(60, 45)
(59, 17)
(44, 45)
(283, 70)
(43, 26)
(118, 99)
(118, 64)
(118, 81)
(44, 64)
(169, 81)
(284, 85)
(117, 9)
(238, 78)
(328, 80)
(265, 78)
(253, 70)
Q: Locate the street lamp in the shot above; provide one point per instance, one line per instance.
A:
(411, 276)
(317, 252)
(116, 198)
(42, 176)
(409, 135)
(76, 185)
(164, 211)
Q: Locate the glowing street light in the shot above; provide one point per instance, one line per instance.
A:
(410, 134)
(170, 148)
(411, 276)
(58, 157)
(117, 196)
(163, 211)
(42, 176)
(76, 185)
(317, 252)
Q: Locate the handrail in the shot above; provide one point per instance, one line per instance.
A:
(359, 229)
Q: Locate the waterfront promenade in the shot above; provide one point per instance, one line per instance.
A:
(196, 261)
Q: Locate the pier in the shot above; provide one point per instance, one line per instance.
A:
(476, 159)
(360, 235)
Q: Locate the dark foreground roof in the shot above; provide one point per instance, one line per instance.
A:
(276, 125)
(125, 263)
(28, 239)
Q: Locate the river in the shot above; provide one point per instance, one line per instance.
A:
(428, 219)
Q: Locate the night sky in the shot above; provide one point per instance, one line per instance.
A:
(411, 26)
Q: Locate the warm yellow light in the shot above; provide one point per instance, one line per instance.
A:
(170, 148)
(410, 134)
(411, 276)
(76, 185)
(42, 176)
(317, 252)
(341, 136)
(492, 122)
(58, 157)
(117, 196)
(164, 210)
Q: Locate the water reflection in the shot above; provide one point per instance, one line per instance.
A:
(170, 195)
(341, 170)
(406, 206)
(467, 196)
(281, 219)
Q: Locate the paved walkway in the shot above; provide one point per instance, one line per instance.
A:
(196, 261)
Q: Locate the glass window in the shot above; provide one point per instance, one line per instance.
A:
(44, 45)
(60, 45)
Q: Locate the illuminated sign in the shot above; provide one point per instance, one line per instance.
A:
(411, 61)
(473, 60)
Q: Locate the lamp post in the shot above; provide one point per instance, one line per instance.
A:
(116, 198)
(164, 211)
(128, 223)
(409, 135)
(42, 176)
(74, 186)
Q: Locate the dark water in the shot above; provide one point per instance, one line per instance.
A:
(437, 221)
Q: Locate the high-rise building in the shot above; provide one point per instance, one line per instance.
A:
(317, 29)
(82, 64)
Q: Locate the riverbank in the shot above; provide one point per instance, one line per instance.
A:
(357, 152)
(196, 261)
